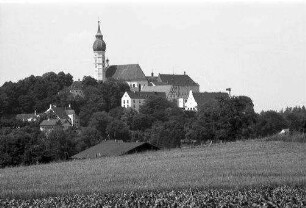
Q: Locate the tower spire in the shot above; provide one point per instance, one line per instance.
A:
(99, 48)
(99, 34)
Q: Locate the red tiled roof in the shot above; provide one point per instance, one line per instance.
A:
(152, 78)
(113, 148)
(129, 72)
(160, 88)
(60, 112)
(155, 83)
(177, 79)
(145, 95)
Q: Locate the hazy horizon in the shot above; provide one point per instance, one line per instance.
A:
(258, 49)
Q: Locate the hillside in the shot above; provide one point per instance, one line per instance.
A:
(227, 165)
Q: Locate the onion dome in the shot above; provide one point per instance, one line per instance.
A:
(99, 44)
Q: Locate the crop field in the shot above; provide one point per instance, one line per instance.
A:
(236, 164)
(227, 166)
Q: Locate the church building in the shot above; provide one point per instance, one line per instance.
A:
(130, 73)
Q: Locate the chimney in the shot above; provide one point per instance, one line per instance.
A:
(184, 72)
(107, 62)
(152, 74)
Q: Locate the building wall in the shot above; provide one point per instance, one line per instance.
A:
(74, 120)
(181, 103)
(134, 85)
(181, 93)
(99, 57)
(136, 103)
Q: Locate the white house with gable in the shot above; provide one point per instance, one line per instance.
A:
(136, 99)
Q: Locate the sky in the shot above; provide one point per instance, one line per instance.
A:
(257, 48)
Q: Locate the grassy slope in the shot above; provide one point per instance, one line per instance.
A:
(235, 164)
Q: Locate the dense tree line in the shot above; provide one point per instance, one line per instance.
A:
(32, 93)
(159, 121)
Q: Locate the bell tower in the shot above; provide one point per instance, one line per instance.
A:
(99, 48)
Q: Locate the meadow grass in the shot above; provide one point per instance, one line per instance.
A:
(294, 137)
(227, 165)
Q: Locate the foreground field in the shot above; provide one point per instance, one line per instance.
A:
(282, 196)
(232, 165)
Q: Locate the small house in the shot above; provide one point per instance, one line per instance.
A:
(114, 148)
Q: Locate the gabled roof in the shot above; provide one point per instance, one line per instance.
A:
(145, 95)
(156, 83)
(60, 112)
(160, 88)
(129, 72)
(152, 78)
(177, 79)
(55, 122)
(50, 122)
(114, 148)
(205, 97)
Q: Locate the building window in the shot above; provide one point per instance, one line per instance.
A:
(133, 101)
(127, 102)
(123, 101)
(133, 85)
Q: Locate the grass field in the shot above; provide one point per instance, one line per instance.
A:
(230, 165)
